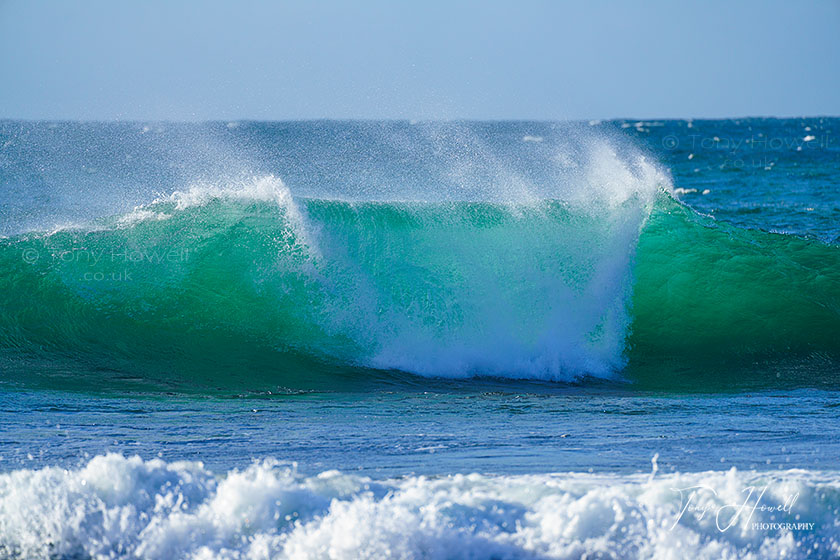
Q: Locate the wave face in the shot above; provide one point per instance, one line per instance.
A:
(554, 260)
(444, 288)
(213, 279)
(708, 294)
(123, 506)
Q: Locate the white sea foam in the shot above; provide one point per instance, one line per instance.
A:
(613, 180)
(141, 214)
(514, 313)
(117, 507)
(263, 188)
(266, 188)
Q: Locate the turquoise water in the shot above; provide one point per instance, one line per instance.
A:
(584, 318)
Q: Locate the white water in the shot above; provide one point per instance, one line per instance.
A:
(119, 506)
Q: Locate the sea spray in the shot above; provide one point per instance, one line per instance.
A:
(534, 289)
(441, 249)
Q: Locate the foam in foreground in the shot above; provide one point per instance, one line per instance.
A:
(124, 506)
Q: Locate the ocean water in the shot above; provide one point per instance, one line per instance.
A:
(614, 339)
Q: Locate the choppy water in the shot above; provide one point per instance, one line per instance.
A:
(407, 301)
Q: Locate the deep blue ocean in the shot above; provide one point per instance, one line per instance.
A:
(365, 339)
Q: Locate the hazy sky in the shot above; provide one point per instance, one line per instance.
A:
(186, 60)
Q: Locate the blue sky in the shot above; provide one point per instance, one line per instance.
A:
(191, 60)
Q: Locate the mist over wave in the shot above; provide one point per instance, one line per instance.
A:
(505, 283)
(553, 260)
